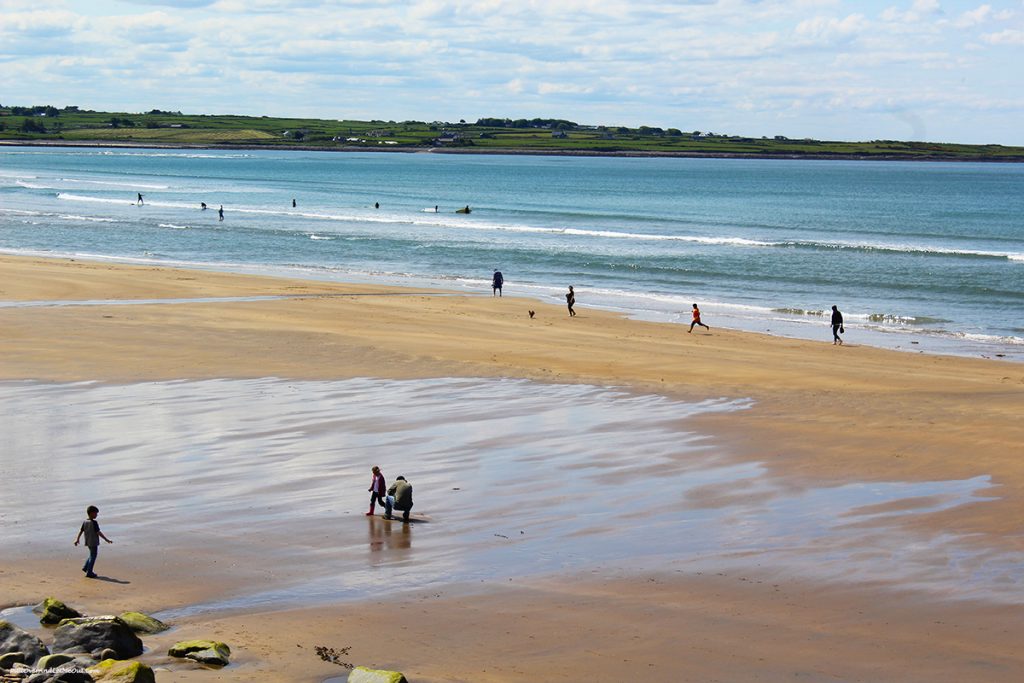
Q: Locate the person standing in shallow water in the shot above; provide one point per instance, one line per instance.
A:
(377, 489)
(696, 319)
(139, 201)
(837, 326)
(220, 213)
(570, 301)
(91, 530)
(496, 282)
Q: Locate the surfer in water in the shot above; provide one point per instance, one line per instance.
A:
(139, 202)
(293, 203)
(202, 206)
(220, 213)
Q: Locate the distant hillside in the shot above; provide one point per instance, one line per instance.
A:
(72, 125)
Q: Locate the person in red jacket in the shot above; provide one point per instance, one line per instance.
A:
(377, 489)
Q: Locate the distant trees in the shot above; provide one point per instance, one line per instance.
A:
(32, 126)
(41, 110)
(553, 124)
(118, 122)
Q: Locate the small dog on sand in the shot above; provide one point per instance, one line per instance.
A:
(531, 313)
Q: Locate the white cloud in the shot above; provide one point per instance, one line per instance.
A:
(973, 17)
(37, 23)
(1008, 37)
(563, 89)
(830, 29)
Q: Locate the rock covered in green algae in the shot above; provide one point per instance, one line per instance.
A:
(54, 661)
(53, 611)
(209, 657)
(143, 623)
(117, 671)
(204, 651)
(9, 659)
(361, 674)
(95, 634)
(15, 640)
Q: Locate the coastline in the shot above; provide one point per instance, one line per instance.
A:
(399, 149)
(822, 415)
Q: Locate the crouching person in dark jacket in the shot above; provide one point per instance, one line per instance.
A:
(399, 498)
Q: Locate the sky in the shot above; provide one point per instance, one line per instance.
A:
(932, 70)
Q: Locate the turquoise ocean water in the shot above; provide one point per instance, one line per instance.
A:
(918, 256)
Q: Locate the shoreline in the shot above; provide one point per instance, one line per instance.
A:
(822, 415)
(498, 151)
(919, 342)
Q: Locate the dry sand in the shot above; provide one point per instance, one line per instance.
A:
(823, 414)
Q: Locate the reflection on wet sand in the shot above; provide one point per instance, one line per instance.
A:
(391, 535)
(515, 479)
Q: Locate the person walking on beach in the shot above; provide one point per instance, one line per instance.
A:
(139, 202)
(399, 498)
(91, 530)
(837, 326)
(377, 488)
(570, 300)
(220, 213)
(496, 282)
(696, 319)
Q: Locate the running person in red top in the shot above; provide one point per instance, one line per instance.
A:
(377, 489)
(696, 319)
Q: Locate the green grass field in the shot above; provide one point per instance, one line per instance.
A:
(167, 128)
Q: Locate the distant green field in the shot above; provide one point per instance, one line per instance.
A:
(190, 136)
(491, 135)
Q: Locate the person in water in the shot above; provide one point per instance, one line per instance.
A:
(696, 319)
(293, 203)
(570, 300)
(139, 201)
(220, 212)
(837, 326)
(202, 206)
(496, 282)
(376, 205)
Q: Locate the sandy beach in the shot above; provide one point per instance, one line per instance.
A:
(926, 448)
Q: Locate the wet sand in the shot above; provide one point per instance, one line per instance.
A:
(823, 419)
